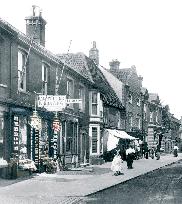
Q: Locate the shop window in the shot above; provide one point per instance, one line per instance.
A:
(1, 136)
(82, 96)
(22, 68)
(23, 137)
(45, 72)
(70, 91)
(94, 101)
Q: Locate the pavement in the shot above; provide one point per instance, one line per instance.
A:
(69, 186)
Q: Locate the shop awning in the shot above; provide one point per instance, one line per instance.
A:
(114, 136)
(120, 134)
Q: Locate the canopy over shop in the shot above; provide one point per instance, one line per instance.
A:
(112, 137)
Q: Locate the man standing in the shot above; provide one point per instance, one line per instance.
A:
(130, 156)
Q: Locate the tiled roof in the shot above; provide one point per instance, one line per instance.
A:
(78, 63)
(114, 82)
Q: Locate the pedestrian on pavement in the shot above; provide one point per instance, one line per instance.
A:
(130, 154)
(152, 151)
(116, 165)
(175, 150)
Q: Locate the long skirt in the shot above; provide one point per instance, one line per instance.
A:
(129, 161)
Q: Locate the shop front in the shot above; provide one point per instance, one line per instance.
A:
(3, 162)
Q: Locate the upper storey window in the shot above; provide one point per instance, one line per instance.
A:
(22, 68)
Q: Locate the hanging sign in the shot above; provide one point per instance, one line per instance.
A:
(56, 125)
(35, 121)
(16, 134)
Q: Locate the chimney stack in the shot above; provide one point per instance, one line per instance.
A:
(114, 65)
(94, 53)
(35, 26)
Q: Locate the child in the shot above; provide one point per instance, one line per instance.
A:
(116, 165)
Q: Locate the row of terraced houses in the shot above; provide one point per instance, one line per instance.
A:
(112, 98)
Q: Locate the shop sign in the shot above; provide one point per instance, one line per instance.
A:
(37, 156)
(73, 100)
(52, 102)
(16, 134)
(54, 144)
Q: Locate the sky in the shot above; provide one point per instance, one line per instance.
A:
(144, 33)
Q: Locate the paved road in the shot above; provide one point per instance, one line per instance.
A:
(163, 186)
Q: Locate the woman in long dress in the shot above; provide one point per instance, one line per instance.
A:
(116, 165)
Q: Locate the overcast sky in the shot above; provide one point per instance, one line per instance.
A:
(144, 33)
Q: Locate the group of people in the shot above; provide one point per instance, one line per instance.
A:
(117, 163)
(117, 166)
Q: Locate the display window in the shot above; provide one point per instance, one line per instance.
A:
(23, 137)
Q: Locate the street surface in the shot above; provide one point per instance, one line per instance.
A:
(163, 186)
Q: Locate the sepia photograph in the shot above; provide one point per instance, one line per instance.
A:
(90, 103)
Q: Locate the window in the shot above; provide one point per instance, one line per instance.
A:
(81, 93)
(138, 101)
(138, 123)
(22, 70)
(151, 117)
(45, 69)
(130, 121)
(130, 98)
(94, 140)
(94, 103)
(3, 64)
(145, 111)
(70, 92)
(1, 136)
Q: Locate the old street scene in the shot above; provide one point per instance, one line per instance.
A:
(75, 131)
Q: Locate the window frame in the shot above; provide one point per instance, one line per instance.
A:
(98, 142)
(20, 69)
(130, 98)
(81, 95)
(94, 103)
(44, 79)
(69, 79)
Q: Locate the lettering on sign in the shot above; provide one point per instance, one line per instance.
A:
(37, 155)
(16, 134)
(51, 102)
(55, 103)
